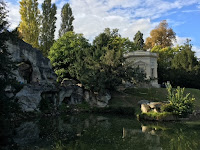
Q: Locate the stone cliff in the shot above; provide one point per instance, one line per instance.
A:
(35, 73)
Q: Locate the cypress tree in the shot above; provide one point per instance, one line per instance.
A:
(48, 26)
(67, 19)
(138, 40)
(30, 22)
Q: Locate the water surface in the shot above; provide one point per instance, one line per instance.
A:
(99, 132)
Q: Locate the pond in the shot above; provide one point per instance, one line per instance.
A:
(99, 132)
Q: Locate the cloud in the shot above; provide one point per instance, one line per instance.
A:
(190, 11)
(13, 15)
(197, 50)
(129, 16)
(180, 40)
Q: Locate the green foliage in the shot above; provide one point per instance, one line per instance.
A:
(7, 106)
(185, 58)
(179, 103)
(105, 66)
(48, 26)
(165, 56)
(98, 67)
(182, 68)
(30, 22)
(67, 19)
(67, 54)
(157, 115)
(138, 40)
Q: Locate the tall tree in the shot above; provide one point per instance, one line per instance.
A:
(6, 65)
(30, 22)
(162, 35)
(67, 19)
(185, 59)
(138, 40)
(48, 26)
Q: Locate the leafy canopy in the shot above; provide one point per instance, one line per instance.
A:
(29, 26)
(65, 52)
(161, 35)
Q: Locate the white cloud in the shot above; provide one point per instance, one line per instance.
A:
(13, 15)
(197, 50)
(129, 16)
(180, 40)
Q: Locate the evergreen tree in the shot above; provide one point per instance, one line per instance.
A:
(67, 19)
(48, 26)
(6, 65)
(138, 40)
(30, 22)
(185, 59)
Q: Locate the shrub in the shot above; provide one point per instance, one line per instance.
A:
(179, 103)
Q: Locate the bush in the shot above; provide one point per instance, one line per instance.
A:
(179, 103)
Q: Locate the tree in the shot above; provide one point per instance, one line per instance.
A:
(67, 19)
(105, 66)
(98, 67)
(48, 26)
(65, 52)
(30, 22)
(161, 35)
(185, 58)
(6, 65)
(138, 40)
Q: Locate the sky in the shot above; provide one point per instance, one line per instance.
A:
(129, 16)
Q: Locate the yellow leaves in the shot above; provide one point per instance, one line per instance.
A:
(29, 25)
(161, 35)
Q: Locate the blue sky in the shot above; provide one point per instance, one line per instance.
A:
(129, 16)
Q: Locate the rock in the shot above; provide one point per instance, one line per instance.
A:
(68, 82)
(30, 96)
(143, 102)
(65, 93)
(87, 96)
(97, 99)
(102, 99)
(71, 95)
(32, 65)
(155, 104)
(29, 99)
(145, 108)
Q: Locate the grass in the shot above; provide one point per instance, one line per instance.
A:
(154, 116)
(130, 97)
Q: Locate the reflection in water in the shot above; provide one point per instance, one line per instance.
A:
(85, 132)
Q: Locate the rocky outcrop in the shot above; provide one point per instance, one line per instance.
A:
(35, 72)
(97, 99)
(30, 96)
(32, 65)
